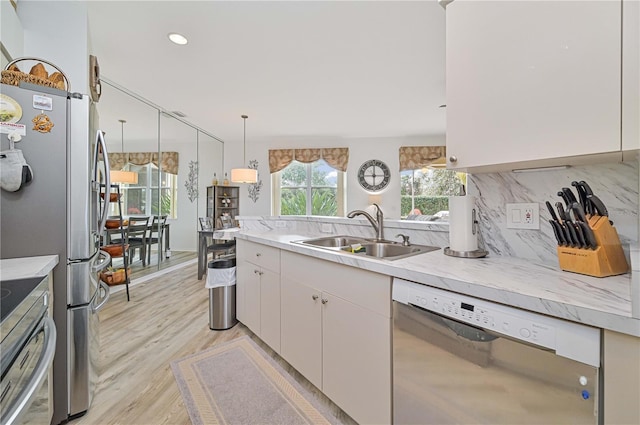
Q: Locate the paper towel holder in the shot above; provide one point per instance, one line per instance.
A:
(476, 253)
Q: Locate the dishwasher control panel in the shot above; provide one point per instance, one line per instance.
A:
(566, 338)
(474, 313)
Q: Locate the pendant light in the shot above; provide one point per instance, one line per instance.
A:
(123, 176)
(244, 175)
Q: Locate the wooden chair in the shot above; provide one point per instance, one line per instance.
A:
(136, 237)
(157, 227)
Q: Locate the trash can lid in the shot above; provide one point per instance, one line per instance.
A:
(223, 263)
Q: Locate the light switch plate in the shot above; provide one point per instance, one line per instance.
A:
(523, 216)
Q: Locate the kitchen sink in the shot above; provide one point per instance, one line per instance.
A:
(392, 251)
(333, 241)
(388, 250)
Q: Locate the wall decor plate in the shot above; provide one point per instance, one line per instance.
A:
(10, 109)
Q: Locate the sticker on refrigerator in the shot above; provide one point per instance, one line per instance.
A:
(10, 110)
(44, 103)
(8, 128)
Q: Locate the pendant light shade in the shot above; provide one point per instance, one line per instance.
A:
(122, 176)
(244, 175)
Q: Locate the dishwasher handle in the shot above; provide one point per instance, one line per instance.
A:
(40, 373)
(463, 330)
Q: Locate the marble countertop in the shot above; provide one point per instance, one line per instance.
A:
(19, 268)
(599, 302)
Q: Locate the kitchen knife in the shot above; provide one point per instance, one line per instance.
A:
(558, 232)
(551, 211)
(582, 195)
(597, 206)
(567, 195)
(582, 243)
(582, 223)
(569, 231)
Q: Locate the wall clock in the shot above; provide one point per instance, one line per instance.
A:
(374, 175)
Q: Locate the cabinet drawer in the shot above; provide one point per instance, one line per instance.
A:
(264, 256)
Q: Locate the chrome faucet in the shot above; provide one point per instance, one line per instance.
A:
(377, 223)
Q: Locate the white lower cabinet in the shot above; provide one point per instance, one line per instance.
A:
(258, 290)
(336, 331)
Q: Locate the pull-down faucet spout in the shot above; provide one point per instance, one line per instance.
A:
(377, 223)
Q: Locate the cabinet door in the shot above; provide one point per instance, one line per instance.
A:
(270, 309)
(242, 275)
(252, 297)
(532, 80)
(630, 74)
(301, 342)
(356, 360)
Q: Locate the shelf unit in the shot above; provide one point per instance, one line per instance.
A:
(223, 200)
(106, 196)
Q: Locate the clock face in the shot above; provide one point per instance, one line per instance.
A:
(374, 175)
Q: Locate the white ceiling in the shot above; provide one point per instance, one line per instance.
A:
(297, 68)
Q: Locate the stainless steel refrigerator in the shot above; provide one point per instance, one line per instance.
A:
(59, 212)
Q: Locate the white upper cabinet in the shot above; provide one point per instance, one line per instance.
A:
(532, 81)
(630, 74)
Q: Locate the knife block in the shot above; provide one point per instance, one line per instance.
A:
(607, 259)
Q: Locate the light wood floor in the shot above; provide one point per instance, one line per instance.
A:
(166, 319)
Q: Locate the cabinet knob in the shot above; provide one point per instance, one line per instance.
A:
(453, 158)
(256, 271)
(324, 301)
(314, 297)
(258, 254)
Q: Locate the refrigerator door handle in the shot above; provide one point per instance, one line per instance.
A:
(107, 294)
(101, 144)
(101, 265)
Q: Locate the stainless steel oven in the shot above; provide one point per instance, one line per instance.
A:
(457, 359)
(27, 349)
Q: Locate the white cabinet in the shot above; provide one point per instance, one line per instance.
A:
(630, 74)
(258, 290)
(532, 81)
(336, 331)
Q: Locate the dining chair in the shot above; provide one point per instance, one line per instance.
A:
(136, 237)
(216, 246)
(157, 227)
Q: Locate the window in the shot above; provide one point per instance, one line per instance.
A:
(142, 198)
(308, 189)
(425, 191)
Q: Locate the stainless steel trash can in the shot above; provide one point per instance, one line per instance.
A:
(222, 297)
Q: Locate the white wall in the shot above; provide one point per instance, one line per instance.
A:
(11, 30)
(58, 31)
(360, 150)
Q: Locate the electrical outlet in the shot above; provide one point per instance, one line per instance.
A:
(326, 228)
(523, 216)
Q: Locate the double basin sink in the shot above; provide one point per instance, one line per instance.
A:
(388, 250)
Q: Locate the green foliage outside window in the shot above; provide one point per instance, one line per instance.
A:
(294, 189)
(428, 190)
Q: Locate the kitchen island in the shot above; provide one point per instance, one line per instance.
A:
(603, 303)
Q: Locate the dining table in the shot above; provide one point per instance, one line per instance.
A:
(222, 234)
(152, 227)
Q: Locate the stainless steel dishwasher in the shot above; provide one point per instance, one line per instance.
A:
(461, 360)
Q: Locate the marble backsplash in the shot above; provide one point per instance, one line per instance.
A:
(616, 184)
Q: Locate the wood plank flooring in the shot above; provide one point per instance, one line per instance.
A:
(166, 319)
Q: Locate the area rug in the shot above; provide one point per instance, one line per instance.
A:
(238, 383)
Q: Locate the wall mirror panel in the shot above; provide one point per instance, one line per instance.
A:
(174, 162)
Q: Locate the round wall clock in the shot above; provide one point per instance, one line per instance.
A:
(374, 175)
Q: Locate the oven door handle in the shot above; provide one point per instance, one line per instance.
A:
(40, 373)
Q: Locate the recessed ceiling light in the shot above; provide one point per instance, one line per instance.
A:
(177, 38)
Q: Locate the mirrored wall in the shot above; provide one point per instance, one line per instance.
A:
(174, 162)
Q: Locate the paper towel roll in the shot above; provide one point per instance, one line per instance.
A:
(461, 233)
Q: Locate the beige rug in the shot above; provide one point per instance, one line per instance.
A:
(238, 383)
